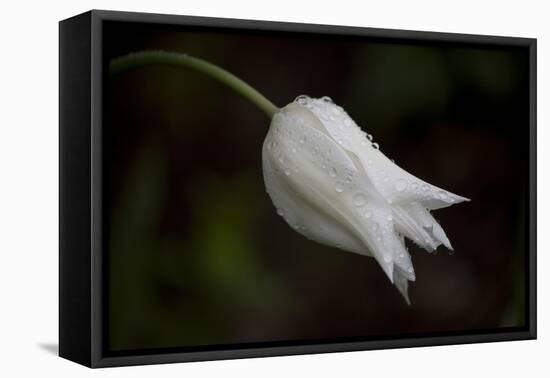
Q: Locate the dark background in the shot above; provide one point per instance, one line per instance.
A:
(195, 252)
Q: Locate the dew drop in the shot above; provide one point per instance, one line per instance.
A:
(332, 172)
(401, 185)
(389, 218)
(347, 122)
(442, 195)
(414, 186)
(326, 99)
(368, 214)
(410, 270)
(287, 172)
(359, 199)
(425, 187)
(339, 187)
(369, 137)
(374, 226)
(364, 143)
(280, 212)
(302, 140)
(302, 99)
(375, 146)
(387, 258)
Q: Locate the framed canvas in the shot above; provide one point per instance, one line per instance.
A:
(234, 188)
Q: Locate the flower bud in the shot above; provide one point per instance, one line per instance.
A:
(333, 185)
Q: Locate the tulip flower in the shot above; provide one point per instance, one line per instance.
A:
(333, 185)
(329, 180)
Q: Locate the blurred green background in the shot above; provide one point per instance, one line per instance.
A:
(197, 256)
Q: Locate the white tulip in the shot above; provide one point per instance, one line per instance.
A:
(334, 186)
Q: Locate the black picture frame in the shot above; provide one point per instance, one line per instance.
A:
(80, 240)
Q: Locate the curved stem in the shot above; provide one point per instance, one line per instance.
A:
(164, 58)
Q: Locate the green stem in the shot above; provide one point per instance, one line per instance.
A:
(163, 58)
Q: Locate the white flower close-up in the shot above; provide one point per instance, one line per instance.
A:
(333, 185)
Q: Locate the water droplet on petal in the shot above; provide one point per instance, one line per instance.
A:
(302, 99)
(280, 211)
(326, 99)
(347, 122)
(369, 137)
(401, 185)
(339, 187)
(442, 194)
(387, 258)
(414, 186)
(425, 187)
(389, 218)
(375, 146)
(287, 172)
(364, 143)
(368, 214)
(374, 226)
(410, 270)
(359, 199)
(302, 140)
(332, 172)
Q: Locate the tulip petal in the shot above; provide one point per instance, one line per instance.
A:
(395, 184)
(402, 258)
(398, 186)
(305, 218)
(402, 284)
